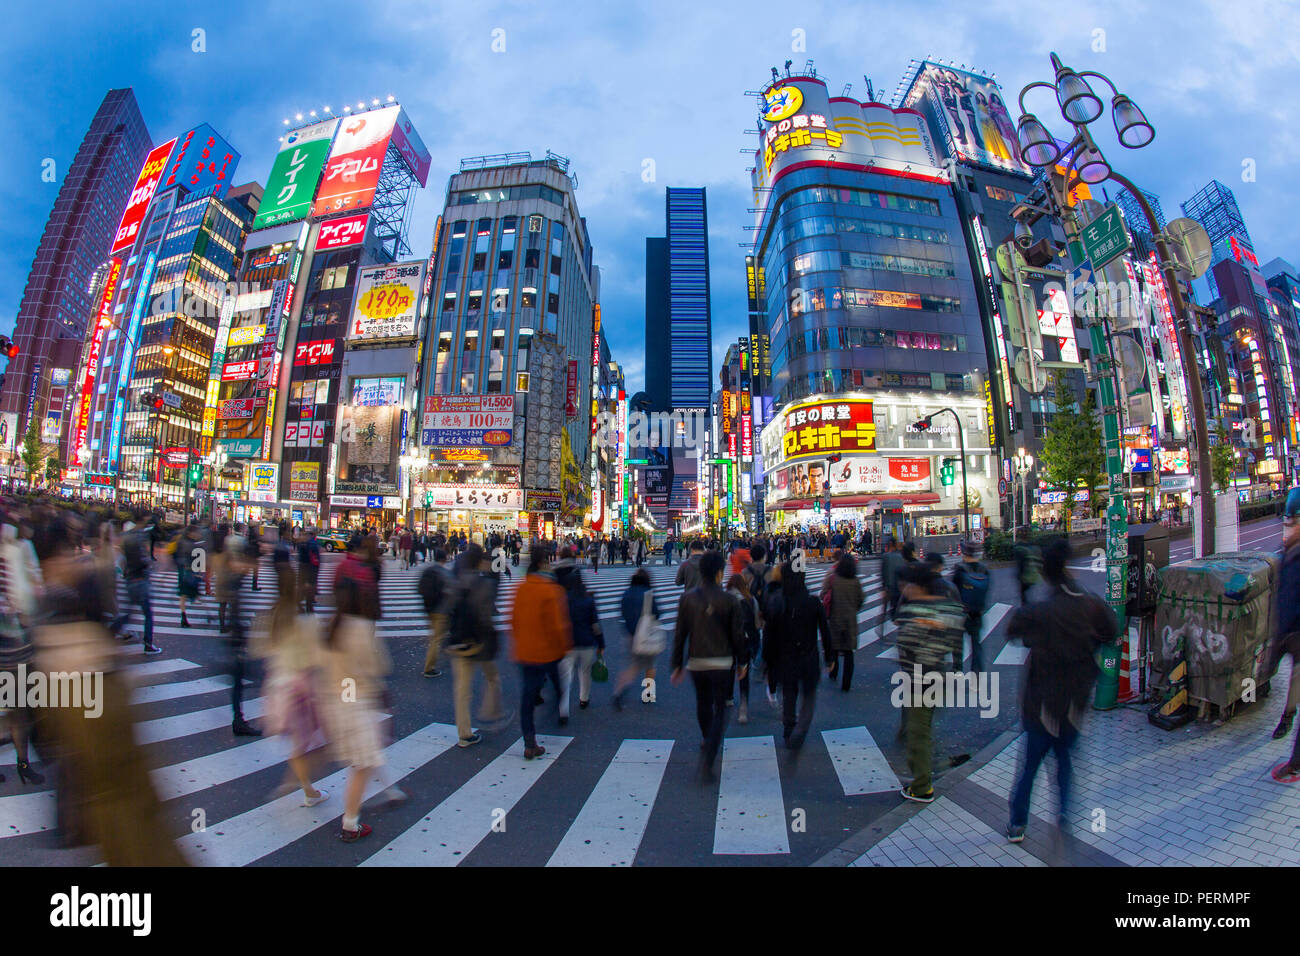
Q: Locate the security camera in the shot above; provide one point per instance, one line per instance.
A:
(1024, 236)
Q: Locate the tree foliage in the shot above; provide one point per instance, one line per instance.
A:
(1222, 460)
(1073, 450)
(31, 450)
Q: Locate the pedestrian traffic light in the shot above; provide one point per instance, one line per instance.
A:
(196, 473)
(817, 505)
(7, 347)
(947, 474)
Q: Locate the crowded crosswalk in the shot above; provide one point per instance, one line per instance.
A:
(599, 795)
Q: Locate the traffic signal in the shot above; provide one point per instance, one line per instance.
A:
(817, 505)
(152, 401)
(7, 347)
(834, 458)
(196, 474)
(923, 425)
(947, 474)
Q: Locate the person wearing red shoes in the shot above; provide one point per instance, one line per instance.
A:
(542, 636)
(1286, 634)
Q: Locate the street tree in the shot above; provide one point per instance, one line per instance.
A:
(31, 451)
(53, 471)
(1072, 448)
(1222, 459)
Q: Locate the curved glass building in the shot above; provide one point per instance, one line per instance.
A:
(871, 310)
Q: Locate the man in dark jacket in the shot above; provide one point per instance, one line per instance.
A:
(473, 642)
(973, 582)
(434, 585)
(890, 564)
(1062, 633)
(709, 621)
(688, 572)
(795, 618)
(308, 570)
(1286, 630)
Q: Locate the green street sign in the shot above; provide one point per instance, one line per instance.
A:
(1105, 238)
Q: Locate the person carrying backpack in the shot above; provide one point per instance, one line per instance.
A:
(1029, 563)
(433, 587)
(135, 570)
(473, 642)
(973, 580)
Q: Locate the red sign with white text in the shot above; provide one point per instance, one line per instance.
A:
(102, 321)
(343, 232)
(145, 186)
(239, 371)
(315, 353)
(352, 170)
(909, 469)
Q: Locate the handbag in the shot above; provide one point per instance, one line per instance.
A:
(649, 639)
(599, 671)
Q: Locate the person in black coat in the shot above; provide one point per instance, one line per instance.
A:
(795, 618)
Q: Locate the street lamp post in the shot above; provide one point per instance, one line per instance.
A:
(923, 425)
(1080, 106)
(1024, 464)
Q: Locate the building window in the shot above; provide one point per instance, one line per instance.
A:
(521, 382)
(494, 382)
(528, 298)
(475, 303)
(471, 341)
(444, 342)
(553, 303)
(448, 301)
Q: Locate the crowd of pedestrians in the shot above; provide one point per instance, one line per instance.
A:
(746, 614)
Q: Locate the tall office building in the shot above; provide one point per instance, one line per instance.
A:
(57, 302)
(679, 357)
(514, 323)
(1215, 207)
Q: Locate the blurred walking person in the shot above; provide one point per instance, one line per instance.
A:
(973, 581)
(845, 603)
(542, 636)
(472, 644)
(308, 571)
(434, 587)
(796, 618)
(291, 643)
(1062, 633)
(135, 570)
(238, 563)
(738, 586)
(588, 644)
(637, 601)
(709, 641)
(1286, 630)
(891, 562)
(929, 630)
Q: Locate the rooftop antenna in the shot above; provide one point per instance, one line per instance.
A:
(847, 88)
(808, 68)
(871, 92)
(775, 75)
(787, 67)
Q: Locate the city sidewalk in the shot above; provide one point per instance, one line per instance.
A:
(1200, 795)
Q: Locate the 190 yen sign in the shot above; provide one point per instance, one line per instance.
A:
(385, 301)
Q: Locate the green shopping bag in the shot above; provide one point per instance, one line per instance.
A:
(599, 671)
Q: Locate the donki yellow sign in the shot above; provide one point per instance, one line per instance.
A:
(815, 429)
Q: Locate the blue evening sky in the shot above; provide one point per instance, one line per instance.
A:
(611, 84)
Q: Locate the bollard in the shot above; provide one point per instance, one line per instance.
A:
(1107, 695)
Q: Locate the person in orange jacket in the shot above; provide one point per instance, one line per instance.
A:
(543, 635)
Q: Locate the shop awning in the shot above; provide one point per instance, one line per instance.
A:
(862, 501)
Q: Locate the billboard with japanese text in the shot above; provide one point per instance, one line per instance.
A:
(146, 184)
(468, 420)
(971, 114)
(388, 301)
(291, 185)
(815, 429)
(352, 169)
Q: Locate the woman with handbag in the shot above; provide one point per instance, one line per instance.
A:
(641, 620)
(292, 644)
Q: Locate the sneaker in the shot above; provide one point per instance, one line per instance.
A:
(433, 673)
(470, 741)
(583, 704)
(910, 794)
(152, 649)
(351, 836)
(321, 797)
(1015, 834)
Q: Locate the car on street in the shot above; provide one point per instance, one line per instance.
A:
(333, 539)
